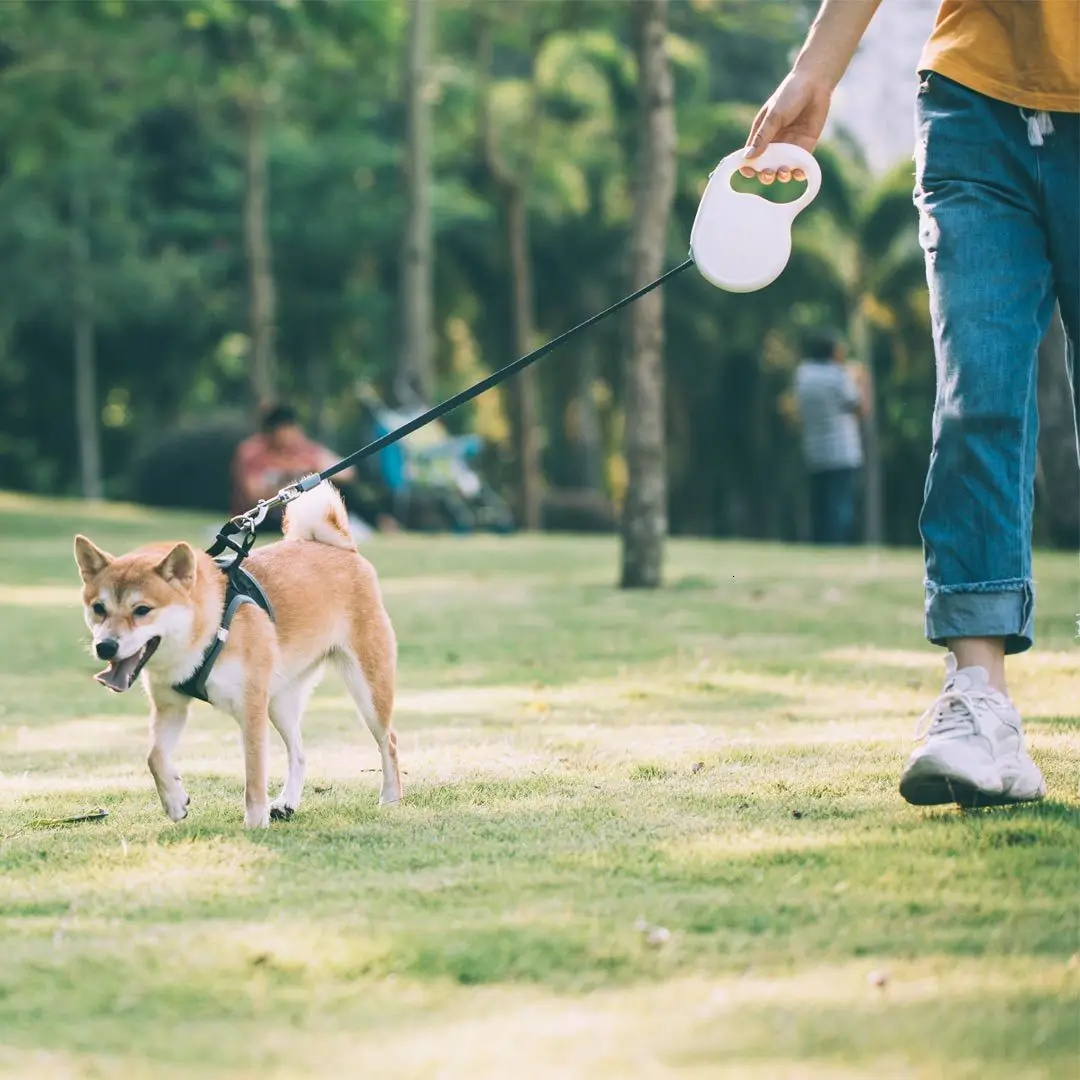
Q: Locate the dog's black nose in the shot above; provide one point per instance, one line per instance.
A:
(106, 648)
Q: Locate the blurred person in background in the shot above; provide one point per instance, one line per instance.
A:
(279, 453)
(830, 403)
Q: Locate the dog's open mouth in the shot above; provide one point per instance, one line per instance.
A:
(120, 674)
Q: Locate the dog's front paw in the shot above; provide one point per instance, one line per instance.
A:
(257, 817)
(176, 804)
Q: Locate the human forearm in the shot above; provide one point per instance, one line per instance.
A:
(797, 111)
(833, 39)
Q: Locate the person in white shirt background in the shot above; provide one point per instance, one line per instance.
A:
(830, 407)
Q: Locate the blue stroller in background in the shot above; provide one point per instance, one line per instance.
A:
(432, 484)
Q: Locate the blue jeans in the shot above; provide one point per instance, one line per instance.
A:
(832, 505)
(1000, 229)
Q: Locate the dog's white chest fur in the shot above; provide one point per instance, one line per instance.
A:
(225, 686)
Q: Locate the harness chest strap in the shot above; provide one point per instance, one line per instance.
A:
(240, 588)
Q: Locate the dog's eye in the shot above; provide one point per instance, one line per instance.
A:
(98, 608)
(141, 611)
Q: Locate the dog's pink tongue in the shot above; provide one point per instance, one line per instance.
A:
(117, 676)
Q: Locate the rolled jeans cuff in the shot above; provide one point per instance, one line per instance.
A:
(1004, 609)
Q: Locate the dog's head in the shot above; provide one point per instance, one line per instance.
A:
(133, 602)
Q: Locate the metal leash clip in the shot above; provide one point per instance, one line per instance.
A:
(247, 522)
(251, 519)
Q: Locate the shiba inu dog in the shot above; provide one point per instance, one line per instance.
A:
(158, 611)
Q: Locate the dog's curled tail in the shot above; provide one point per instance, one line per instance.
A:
(319, 515)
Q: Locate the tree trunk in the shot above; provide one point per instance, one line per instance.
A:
(1059, 482)
(873, 485)
(262, 314)
(525, 385)
(873, 491)
(590, 433)
(414, 383)
(318, 389)
(513, 189)
(644, 524)
(86, 400)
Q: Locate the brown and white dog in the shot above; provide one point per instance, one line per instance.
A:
(156, 610)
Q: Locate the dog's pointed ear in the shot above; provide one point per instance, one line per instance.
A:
(178, 567)
(90, 559)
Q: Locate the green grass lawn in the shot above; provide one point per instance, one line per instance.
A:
(718, 758)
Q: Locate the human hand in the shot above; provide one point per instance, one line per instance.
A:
(795, 113)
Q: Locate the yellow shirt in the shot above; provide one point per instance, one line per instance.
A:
(1025, 52)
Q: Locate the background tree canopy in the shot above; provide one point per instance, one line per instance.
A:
(205, 200)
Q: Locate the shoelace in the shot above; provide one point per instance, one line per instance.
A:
(953, 713)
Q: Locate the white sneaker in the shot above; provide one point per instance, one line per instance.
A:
(974, 752)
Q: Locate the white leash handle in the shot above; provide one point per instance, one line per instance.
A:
(742, 242)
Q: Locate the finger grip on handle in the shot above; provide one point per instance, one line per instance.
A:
(775, 156)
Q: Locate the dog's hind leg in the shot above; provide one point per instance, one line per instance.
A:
(374, 698)
(286, 712)
(254, 727)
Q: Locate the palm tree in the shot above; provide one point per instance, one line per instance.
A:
(868, 245)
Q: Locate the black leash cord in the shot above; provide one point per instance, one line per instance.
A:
(493, 379)
(246, 523)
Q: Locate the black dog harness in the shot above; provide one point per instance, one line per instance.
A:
(240, 588)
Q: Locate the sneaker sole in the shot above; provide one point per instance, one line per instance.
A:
(927, 787)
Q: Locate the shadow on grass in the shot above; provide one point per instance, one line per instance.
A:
(122, 929)
(540, 880)
(977, 1034)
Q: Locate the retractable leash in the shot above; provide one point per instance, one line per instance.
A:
(739, 243)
